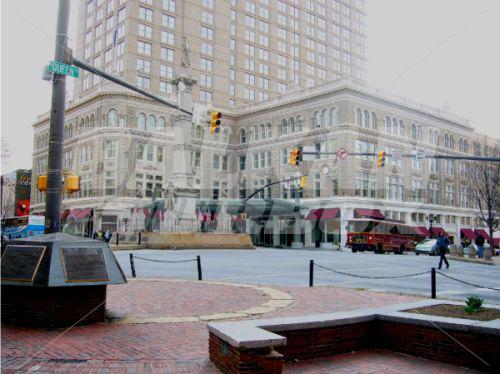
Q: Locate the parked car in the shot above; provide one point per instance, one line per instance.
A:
(428, 247)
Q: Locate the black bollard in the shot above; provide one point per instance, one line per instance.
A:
(311, 273)
(198, 262)
(139, 238)
(433, 283)
(132, 266)
(117, 235)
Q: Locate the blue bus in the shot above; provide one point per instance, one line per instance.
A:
(22, 227)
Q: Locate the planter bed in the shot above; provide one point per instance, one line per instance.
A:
(456, 311)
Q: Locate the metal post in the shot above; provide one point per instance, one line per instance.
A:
(198, 262)
(132, 266)
(57, 112)
(433, 283)
(139, 238)
(311, 273)
(117, 235)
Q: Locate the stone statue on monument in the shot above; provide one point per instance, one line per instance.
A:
(170, 197)
(185, 61)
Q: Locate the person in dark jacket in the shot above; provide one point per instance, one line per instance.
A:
(480, 246)
(442, 245)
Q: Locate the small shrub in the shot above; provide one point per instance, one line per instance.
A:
(473, 304)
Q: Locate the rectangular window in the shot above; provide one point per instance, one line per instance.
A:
(362, 146)
(450, 195)
(365, 184)
(168, 37)
(144, 48)
(109, 183)
(167, 54)
(196, 159)
(168, 21)
(449, 166)
(216, 163)
(417, 191)
(110, 147)
(242, 163)
(394, 188)
(145, 14)
(168, 5)
(207, 17)
(207, 33)
(143, 66)
(145, 31)
(434, 193)
(206, 64)
(166, 71)
(317, 185)
(150, 152)
(159, 154)
(143, 82)
(225, 164)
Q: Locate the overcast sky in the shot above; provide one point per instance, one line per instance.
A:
(437, 52)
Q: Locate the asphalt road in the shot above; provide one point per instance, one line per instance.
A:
(291, 268)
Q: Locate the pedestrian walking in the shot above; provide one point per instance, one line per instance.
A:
(441, 246)
(100, 235)
(107, 236)
(480, 246)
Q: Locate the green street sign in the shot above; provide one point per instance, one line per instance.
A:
(63, 69)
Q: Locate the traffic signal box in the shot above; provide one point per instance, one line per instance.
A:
(295, 157)
(215, 122)
(41, 183)
(303, 182)
(72, 183)
(381, 159)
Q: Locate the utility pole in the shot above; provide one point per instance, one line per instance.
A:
(57, 112)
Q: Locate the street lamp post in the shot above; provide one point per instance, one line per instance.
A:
(430, 218)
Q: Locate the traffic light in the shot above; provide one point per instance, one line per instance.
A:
(41, 183)
(303, 182)
(215, 122)
(295, 157)
(381, 159)
(72, 183)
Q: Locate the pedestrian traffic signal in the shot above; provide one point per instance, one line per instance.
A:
(72, 183)
(295, 157)
(41, 183)
(381, 159)
(215, 122)
(303, 182)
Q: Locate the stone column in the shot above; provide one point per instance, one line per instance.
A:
(276, 231)
(345, 215)
(308, 233)
(324, 235)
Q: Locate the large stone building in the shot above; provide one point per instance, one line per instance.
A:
(122, 146)
(240, 51)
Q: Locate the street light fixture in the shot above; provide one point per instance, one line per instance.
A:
(430, 218)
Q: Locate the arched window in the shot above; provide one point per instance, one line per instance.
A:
(358, 118)
(466, 146)
(436, 137)
(333, 117)
(419, 133)
(243, 136)
(388, 124)
(92, 122)
(70, 135)
(82, 126)
(452, 142)
(300, 123)
(112, 118)
(374, 121)
(141, 121)
(217, 135)
(255, 133)
(316, 120)
(394, 126)
(225, 136)
(431, 136)
(162, 125)
(461, 145)
(414, 131)
(262, 129)
(199, 132)
(291, 123)
(151, 124)
(87, 124)
(401, 128)
(269, 129)
(325, 119)
(366, 117)
(446, 141)
(486, 150)
(284, 127)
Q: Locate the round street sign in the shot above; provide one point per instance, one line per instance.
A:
(342, 153)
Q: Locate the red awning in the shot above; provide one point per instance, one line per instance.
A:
(422, 230)
(483, 233)
(84, 213)
(323, 214)
(368, 213)
(65, 213)
(74, 214)
(468, 233)
(437, 230)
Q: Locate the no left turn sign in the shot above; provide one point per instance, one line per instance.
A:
(342, 153)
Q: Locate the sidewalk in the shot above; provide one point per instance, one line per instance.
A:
(159, 325)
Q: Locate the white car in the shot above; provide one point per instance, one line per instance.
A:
(427, 247)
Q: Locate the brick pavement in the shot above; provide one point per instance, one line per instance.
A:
(168, 347)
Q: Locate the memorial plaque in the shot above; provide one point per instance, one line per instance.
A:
(21, 262)
(84, 264)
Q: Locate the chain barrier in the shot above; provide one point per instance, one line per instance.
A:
(167, 262)
(470, 284)
(369, 277)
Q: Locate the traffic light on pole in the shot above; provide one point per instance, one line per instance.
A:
(72, 183)
(303, 182)
(215, 122)
(41, 183)
(381, 159)
(295, 157)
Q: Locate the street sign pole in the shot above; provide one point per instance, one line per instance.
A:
(57, 112)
